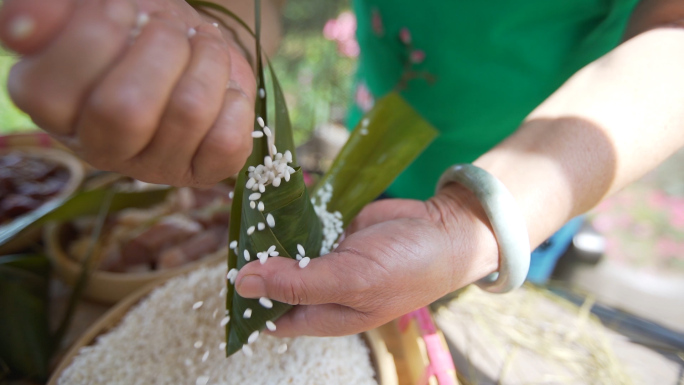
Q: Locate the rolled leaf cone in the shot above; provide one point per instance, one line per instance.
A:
(295, 223)
(378, 150)
(386, 141)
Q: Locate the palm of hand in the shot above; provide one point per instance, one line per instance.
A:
(397, 257)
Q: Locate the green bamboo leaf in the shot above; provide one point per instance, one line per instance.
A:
(391, 136)
(86, 268)
(25, 341)
(296, 221)
(81, 204)
(384, 143)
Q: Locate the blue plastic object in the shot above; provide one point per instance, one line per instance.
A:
(544, 258)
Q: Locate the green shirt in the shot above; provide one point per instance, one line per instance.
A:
(475, 68)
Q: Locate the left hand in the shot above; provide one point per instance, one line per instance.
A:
(398, 256)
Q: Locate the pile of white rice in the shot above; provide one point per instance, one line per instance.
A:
(170, 338)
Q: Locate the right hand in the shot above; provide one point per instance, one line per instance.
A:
(155, 107)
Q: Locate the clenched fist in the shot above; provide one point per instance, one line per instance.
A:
(147, 88)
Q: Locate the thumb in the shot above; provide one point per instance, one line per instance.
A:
(281, 279)
(27, 26)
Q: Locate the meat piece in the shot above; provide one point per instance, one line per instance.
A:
(143, 249)
(192, 249)
(111, 260)
(204, 197)
(15, 205)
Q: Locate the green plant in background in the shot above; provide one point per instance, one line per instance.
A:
(11, 119)
(311, 65)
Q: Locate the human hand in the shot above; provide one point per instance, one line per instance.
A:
(153, 106)
(399, 255)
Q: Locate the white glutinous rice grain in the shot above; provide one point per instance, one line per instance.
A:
(247, 258)
(304, 262)
(198, 344)
(254, 196)
(261, 226)
(231, 194)
(250, 230)
(247, 350)
(271, 249)
(253, 337)
(262, 93)
(215, 25)
(225, 321)
(154, 344)
(205, 356)
(232, 274)
(298, 257)
(260, 120)
(301, 250)
(233, 244)
(197, 305)
(260, 206)
(265, 302)
(247, 314)
(192, 32)
(252, 205)
(270, 220)
(267, 131)
(270, 326)
(257, 134)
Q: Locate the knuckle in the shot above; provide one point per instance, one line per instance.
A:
(166, 31)
(214, 48)
(293, 291)
(121, 110)
(191, 104)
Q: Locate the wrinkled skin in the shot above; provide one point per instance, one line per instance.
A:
(398, 255)
(155, 107)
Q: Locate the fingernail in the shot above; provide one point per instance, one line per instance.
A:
(252, 286)
(21, 27)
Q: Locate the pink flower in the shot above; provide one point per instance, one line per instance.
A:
(417, 56)
(405, 36)
(657, 199)
(343, 31)
(376, 21)
(667, 247)
(349, 48)
(603, 223)
(364, 99)
(677, 216)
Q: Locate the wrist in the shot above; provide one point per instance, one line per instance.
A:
(473, 248)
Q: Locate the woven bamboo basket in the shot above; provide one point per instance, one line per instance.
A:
(381, 358)
(30, 144)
